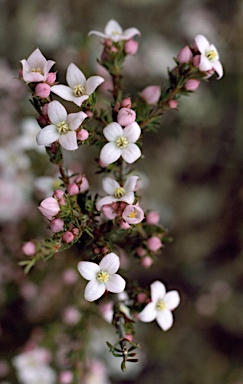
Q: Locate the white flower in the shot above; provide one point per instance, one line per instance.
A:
(36, 67)
(121, 143)
(102, 277)
(62, 128)
(161, 306)
(209, 58)
(114, 32)
(116, 192)
(79, 88)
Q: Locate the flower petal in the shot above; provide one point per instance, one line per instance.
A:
(132, 132)
(148, 314)
(110, 185)
(130, 32)
(218, 68)
(94, 290)
(110, 153)
(104, 201)
(97, 33)
(112, 131)
(56, 112)
(130, 183)
(113, 28)
(47, 135)
(88, 269)
(74, 120)
(36, 59)
(75, 76)
(165, 319)
(202, 43)
(63, 91)
(157, 291)
(69, 141)
(110, 263)
(205, 64)
(92, 83)
(131, 153)
(79, 100)
(128, 198)
(115, 284)
(172, 300)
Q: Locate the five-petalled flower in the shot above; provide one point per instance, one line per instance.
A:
(62, 128)
(114, 32)
(101, 277)
(209, 58)
(116, 192)
(79, 89)
(121, 143)
(160, 307)
(36, 67)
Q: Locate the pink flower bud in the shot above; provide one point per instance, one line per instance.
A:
(75, 231)
(73, 189)
(62, 201)
(70, 276)
(154, 243)
(83, 134)
(129, 337)
(196, 60)
(49, 208)
(51, 77)
(57, 225)
(131, 47)
(141, 297)
(71, 316)
(42, 90)
(140, 251)
(89, 113)
(67, 237)
(58, 193)
(152, 217)
(126, 103)
(146, 261)
(192, 84)
(124, 224)
(84, 185)
(173, 104)
(126, 116)
(185, 55)
(29, 248)
(151, 94)
(45, 109)
(66, 377)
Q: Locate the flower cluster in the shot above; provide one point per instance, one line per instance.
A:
(112, 227)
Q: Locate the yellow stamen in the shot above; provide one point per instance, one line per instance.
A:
(37, 70)
(62, 127)
(133, 214)
(119, 192)
(211, 55)
(160, 305)
(121, 142)
(78, 90)
(102, 276)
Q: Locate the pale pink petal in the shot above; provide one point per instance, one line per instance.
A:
(130, 183)
(63, 91)
(97, 33)
(131, 153)
(104, 201)
(112, 131)
(47, 67)
(164, 319)
(75, 76)
(132, 132)
(56, 112)
(157, 291)
(74, 120)
(110, 263)
(112, 28)
(128, 198)
(79, 100)
(130, 32)
(202, 43)
(36, 59)
(92, 83)
(47, 135)
(69, 141)
(110, 153)
(110, 185)
(218, 68)
(148, 314)
(115, 284)
(205, 64)
(88, 269)
(94, 290)
(172, 300)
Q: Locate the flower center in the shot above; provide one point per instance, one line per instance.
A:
(36, 70)
(121, 142)
(102, 276)
(62, 127)
(115, 33)
(211, 55)
(119, 192)
(160, 305)
(78, 90)
(133, 214)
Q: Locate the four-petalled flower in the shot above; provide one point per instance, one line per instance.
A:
(117, 192)
(36, 67)
(102, 277)
(161, 306)
(79, 89)
(121, 143)
(62, 128)
(114, 32)
(209, 58)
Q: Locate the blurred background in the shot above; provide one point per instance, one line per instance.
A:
(191, 169)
